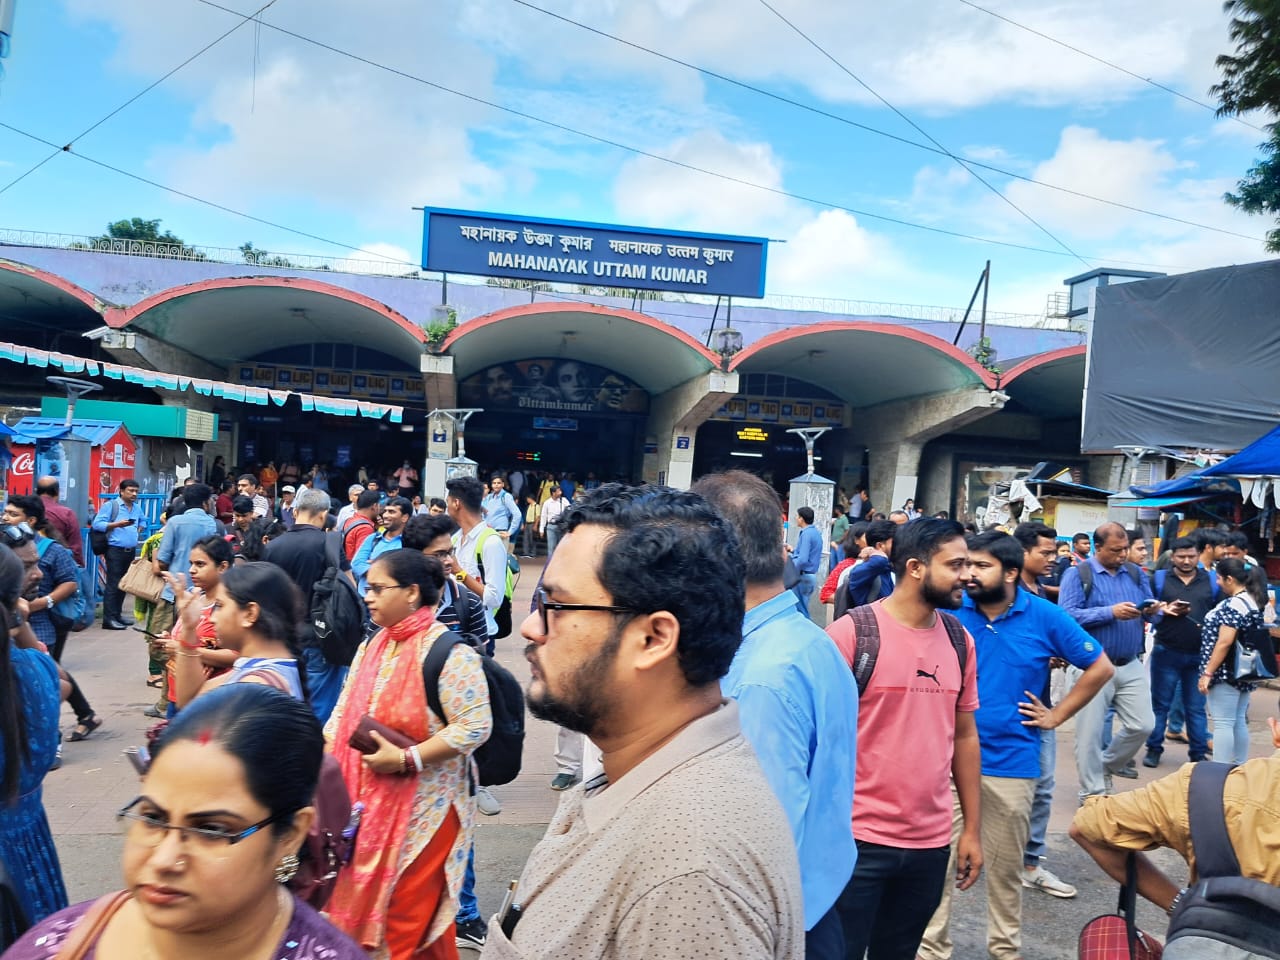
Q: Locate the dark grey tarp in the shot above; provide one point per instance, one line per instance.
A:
(1185, 361)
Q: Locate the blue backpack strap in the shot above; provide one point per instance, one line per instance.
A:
(1161, 576)
(1210, 843)
(42, 546)
(1213, 582)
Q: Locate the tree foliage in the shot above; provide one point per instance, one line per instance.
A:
(1250, 76)
(140, 231)
(263, 258)
(1251, 81)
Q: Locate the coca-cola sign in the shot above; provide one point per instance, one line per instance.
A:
(23, 464)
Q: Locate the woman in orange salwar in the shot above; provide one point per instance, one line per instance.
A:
(398, 898)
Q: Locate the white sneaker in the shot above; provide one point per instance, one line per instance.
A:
(487, 803)
(1044, 881)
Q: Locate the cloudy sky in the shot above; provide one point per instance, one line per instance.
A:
(360, 112)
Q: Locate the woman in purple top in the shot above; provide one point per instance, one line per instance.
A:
(211, 841)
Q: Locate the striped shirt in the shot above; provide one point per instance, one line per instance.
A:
(1121, 639)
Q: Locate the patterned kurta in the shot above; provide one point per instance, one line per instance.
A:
(464, 694)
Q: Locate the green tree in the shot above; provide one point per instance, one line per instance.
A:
(263, 258)
(145, 232)
(1251, 81)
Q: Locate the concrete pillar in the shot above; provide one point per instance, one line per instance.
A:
(674, 418)
(895, 434)
(441, 388)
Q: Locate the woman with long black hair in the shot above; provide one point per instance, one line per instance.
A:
(1244, 595)
(259, 613)
(30, 700)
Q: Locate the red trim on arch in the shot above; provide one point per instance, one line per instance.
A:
(132, 313)
(94, 303)
(1040, 360)
(533, 309)
(887, 329)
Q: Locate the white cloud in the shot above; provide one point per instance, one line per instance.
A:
(650, 192)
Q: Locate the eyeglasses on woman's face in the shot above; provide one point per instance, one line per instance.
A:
(377, 588)
(147, 827)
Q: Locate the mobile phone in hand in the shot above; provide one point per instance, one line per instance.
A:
(140, 757)
(1148, 604)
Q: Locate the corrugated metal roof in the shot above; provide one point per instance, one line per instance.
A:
(97, 432)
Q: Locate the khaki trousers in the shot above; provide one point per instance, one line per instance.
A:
(1006, 822)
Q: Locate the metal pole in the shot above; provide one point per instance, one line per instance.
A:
(969, 308)
(75, 390)
(809, 435)
(986, 288)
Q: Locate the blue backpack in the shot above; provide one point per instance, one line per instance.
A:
(70, 611)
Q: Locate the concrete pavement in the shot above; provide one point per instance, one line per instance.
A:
(95, 781)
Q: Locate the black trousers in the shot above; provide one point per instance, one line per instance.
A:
(118, 560)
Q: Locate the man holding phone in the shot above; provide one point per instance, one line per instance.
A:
(124, 523)
(1189, 592)
(1111, 598)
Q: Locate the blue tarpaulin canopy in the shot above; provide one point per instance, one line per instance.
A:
(1193, 485)
(5, 429)
(1259, 459)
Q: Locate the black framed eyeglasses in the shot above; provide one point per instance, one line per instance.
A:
(542, 605)
(377, 588)
(441, 554)
(149, 830)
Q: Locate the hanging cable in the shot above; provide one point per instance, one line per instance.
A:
(66, 148)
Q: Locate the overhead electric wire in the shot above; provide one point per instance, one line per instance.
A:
(907, 141)
(1105, 62)
(66, 148)
(659, 157)
(191, 196)
(919, 129)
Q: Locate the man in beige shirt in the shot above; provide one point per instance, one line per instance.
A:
(679, 849)
(1156, 816)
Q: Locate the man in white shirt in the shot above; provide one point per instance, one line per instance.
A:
(548, 519)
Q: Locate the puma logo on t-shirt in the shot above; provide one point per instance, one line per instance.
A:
(932, 676)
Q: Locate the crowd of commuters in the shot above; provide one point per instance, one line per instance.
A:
(745, 793)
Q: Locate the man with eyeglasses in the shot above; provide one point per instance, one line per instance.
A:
(459, 609)
(679, 849)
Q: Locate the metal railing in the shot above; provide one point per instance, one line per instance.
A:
(196, 253)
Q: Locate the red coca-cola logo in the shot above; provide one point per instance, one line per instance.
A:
(24, 464)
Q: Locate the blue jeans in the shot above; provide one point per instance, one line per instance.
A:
(468, 906)
(324, 682)
(889, 900)
(1042, 801)
(1230, 732)
(804, 590)
(1177, 716)
(1171, 670)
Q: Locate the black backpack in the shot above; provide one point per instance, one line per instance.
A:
(1086, 577)
(1222, 914)
(337, 612)
(498, 758)
(98, 538)
(866, 631)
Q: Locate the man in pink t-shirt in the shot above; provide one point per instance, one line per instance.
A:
(916, 733)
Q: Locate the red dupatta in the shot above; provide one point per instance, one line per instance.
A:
(359, 902)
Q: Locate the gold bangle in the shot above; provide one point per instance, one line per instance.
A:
(184, 653)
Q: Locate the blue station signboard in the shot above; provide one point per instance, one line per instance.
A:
(564, 251)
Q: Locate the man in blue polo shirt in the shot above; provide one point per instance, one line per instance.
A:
(798, 706)
(501, 512)
(807, 556)
(1015, 635)
(125, 524)
(1111, 598)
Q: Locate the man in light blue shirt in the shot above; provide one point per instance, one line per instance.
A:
(183, 532)
(807, 557)
(798, 707)
(125, 524)
(394, 516)
(501, 512)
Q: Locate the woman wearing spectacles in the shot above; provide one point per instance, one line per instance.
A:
(224, 809)
(399, 896)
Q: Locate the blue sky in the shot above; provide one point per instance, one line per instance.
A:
(281, 129)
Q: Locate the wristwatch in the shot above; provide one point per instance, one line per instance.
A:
(462, 576)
